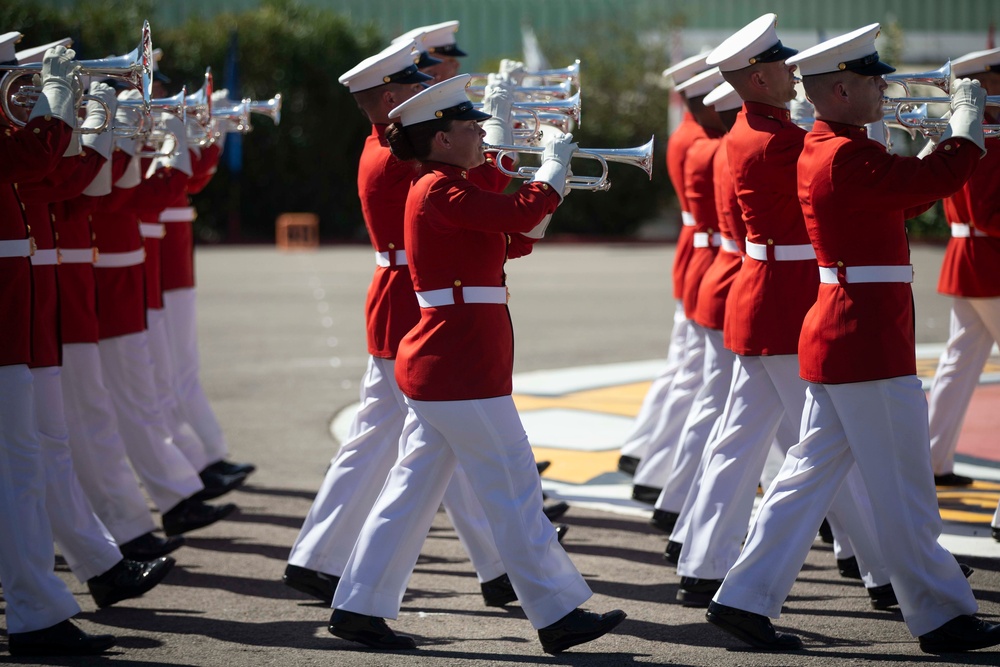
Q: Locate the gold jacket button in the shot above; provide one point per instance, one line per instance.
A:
(48, 116)
(839, 263)
(770, 242)
(37, 131)
(947, 147)
(52, 216)
(392, 246)
(458, 283)
(545, 186)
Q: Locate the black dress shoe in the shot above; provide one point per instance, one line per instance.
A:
(368, 630)
(672, 553)
(217, 484)
(542, 466)
(754, 629)
(190, 514)
(848, 568)
(996, 533)
(230, 468)
(967, 569)
(697, 592)
(319, 585)
(882, 597)
(628, 464)
(555, 510)
(664, 520)
(150, 546)
(578, 627)
(962, 633)
(951, 479)
(498, 592)
(825, 532)
(128, 579)
(60, 639)
(645, 494)
(561, 530)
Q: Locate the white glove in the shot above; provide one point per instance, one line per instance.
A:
(555, 163)
(929, 147)
(127, 117)
(879, 132)
(175, 145)
(498, 101)
(512, 70)
(57, 97)
(101, 185)
(968, 102)
(96, 115)
(219, 96)
(803, 113)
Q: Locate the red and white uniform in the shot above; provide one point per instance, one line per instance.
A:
(865, 403)
(970, 274)
(36, 598)
(455, 369)
(359, 470)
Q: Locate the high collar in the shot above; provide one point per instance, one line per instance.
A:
(761, 109)
(447, 169)
(840, 129)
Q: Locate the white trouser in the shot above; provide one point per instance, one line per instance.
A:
(96, 445)
(655, 466)
(163, 379)
(652, 405)
(36, 597)
(83, 540)
(975, 326)
(764, 404)
(486, 437)
(717, 374)
(881, 426)
(182, 331)
(358, 473)
(128, 374)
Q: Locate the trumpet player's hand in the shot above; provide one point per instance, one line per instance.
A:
(968, 103)
(220, 96)
(498, 102)
(555, 163)
(97, 116)
(512, 70)
(175, 145)
(58, 63)
(58, 97)
(560, 150)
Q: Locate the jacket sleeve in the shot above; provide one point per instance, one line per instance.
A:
(30, 153)
(69, 179)
(463, 204)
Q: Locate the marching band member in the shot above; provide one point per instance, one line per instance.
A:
(637, 443)
(38, 603)
(359, 470)
(668, 465)
(768, 299)
(970, 274)
(459, 399)
(865, 408)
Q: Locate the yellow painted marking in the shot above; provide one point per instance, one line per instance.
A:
(576, 467)
(623, 400)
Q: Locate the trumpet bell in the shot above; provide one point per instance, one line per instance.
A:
(939, 78)
(270, 108)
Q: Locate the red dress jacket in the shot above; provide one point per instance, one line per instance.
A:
(456, 236)
(971, 266)
(687, 132)
(152, 197)
(856, 198)
(718, 279)
(177, 247)
(769, 298)
(26, 154)
(70, 177)
(699, 183)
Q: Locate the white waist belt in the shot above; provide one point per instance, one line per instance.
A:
(730, 245)
(869, 274)
(687, 219)
(116, 260)
(385, 258)
(152, 230)
(962, 230)
(446, 297)
(701, 239)
(180, 214)
(46, 257)
(77, 255)
(782, 253)
(16, 248)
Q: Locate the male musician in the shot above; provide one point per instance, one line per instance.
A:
(864, 404)
(38, 603)
(970, 274)
(769, 297)
(359, 471)
(638, 443)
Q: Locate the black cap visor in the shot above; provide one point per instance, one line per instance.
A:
(449, 50)
(427, 60)
(777, 53)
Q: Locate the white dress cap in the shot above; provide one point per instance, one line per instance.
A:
(436, 38)
(441, 101)
(8, 56)
(723, 98)
(685, 69)
(35, 55)
(976, 62)
(854, 52)
(397, 63)
(756, 42)
(701, 84)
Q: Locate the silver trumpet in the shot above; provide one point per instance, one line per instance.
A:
(909, 116)
(939, 78)
(640, 156)
(143, 123)
(236, 114)
(199, 108)
(559, 91)
(136, 68)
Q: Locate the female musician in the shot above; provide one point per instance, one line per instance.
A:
(455, 370)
